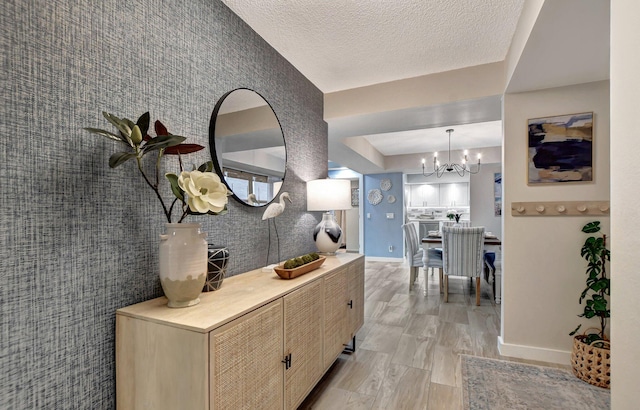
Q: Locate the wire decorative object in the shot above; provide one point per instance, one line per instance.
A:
(374, 196)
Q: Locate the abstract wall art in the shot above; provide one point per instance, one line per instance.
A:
(497, 193)
(561, 149)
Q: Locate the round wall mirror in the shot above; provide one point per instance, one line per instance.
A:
(247, 146)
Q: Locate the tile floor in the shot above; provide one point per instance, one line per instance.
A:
(407, 354)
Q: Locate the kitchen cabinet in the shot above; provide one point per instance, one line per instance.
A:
(454, 194)
(446, 195)
(257, 342)
(423, 195)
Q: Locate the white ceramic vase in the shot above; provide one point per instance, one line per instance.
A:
(183, 263)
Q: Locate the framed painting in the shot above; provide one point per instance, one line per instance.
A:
(497, 193)
(561, 149)
(355, 196)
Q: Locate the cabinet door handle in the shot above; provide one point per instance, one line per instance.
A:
(287, 361)
(350, 304)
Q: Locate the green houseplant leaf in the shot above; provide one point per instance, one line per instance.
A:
(591, 227)
(595, 252)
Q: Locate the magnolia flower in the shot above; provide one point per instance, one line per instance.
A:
(205, 191)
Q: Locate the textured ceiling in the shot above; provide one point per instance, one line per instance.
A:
(344, 44)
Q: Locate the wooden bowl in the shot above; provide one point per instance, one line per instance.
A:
(300, 270)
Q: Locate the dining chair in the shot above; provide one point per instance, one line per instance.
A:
(464, 224)
(415, 253)
(463, 255)
(490, 270)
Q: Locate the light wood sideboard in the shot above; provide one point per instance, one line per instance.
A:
(257, 342)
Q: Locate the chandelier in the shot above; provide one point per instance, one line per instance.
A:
(439, 170)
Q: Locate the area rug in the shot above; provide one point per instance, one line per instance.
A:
(498, 384)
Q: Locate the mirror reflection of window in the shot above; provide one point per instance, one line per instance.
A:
(262, 191)
(243, 184)
(240, 187)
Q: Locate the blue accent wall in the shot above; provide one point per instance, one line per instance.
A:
(379, 231)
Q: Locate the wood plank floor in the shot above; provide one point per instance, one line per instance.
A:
(407, 354)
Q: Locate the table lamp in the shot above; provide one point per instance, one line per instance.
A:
(328, 195)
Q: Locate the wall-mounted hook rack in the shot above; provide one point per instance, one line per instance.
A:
(560, 208)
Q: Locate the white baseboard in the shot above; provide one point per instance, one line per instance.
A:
(533, 353)
(383, 259)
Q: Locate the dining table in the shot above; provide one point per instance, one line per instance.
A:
(491, 244)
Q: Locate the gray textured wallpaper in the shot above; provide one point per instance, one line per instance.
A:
(80, 240)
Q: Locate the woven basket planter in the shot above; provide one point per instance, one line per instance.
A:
(591, 364)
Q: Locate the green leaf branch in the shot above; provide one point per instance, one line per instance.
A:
(138, 143)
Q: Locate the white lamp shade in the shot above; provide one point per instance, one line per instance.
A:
(328, 194)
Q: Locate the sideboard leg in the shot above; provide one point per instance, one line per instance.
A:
(350, 349)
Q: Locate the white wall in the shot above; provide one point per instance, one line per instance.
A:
(440, 88)
(625, 197)
(482, 199)
(543, 273)
(530, 11)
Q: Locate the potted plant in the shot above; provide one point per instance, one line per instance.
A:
(453, 214)
(591, 357)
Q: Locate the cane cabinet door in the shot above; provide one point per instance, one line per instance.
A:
(302, 342)
(246, 361)
(335, 315)
(355, 273)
